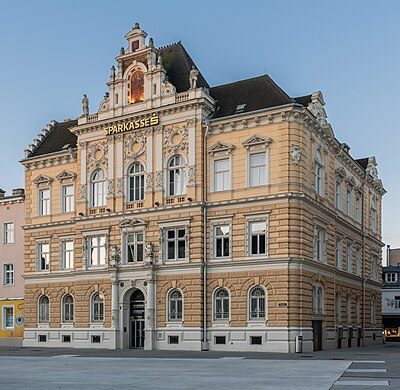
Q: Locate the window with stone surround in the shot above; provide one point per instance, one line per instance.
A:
(373, 215)
(68, 198)
(8, 233)
(96, 250)
(8, 274)
(221, 304)
(221, 240)
(8, 317)
(257, 169)
(44, 201)
(98, 188)
(222, 174)
(257, 237)
(257, 303)
(136, 182)
(348, 309)
(358, 261)
(317, 299)
(320, 238)
(97, 307)
(374, 265)
(175, 242)
(358, 208)
(43, 256)
(372, 310)
(338, 252)
(134, 247)
(337, 308)
(175, 305)
(338, 193)
(348, 201)
(319, 172)
(67, 254)
(68, 308)
(176, 182)
(349, 257)
(391, 277)
(43, 309)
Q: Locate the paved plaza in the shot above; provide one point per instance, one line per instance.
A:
(53, 368)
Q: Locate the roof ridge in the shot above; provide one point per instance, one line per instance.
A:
(170, 45)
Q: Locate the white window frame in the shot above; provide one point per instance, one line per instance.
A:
(250, 167)
(393, 277)
(99, 318)
(44, 203)
(8, 233)
(319, 172)
(358, 261)
(225, 175)
(175, 317)
(318, 298)
(98, 189)
(134, 244)
(64, 252)
(133, 176)
(64, 318)
(349, 256)
(8, 274)
(46, 318)
(339, 252)
(179, 184)
(67, 200)
(348, 201)
(4, 315)
(249, 223)
(320, 241)
(98, 263)
(374, 266)
(215, 237)
(39, 252)
(176, 241)
(358, 208)
(224, 317)
(259, 317)
(338, 194)
(373, 215)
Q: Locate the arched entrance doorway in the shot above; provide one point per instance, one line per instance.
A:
(136, 319)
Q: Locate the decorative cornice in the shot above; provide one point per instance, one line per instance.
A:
(256, 140)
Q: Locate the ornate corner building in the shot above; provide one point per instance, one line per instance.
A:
(184, 216)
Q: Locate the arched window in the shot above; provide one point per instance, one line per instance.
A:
(98, 188)
(319, 173)
(257, 303)
(373, 215)
(68, 308)
(136, 182)
(175, 305)
(97, 307)
(44, 309)
(221, 304)
(176, 176)
(136, 86)
(317, 299)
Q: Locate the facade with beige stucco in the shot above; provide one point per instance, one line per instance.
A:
(184, 216)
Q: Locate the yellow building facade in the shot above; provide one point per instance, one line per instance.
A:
(184, 216)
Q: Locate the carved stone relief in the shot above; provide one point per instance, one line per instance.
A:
(191, 174)
(135, 145)
(83, 192)
(176, 138)
(110, 187)
(149, 181)
(159, 180)
(295, 153)
(97, 154)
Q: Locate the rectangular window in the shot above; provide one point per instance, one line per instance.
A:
(358, 261)
(349, 253)
(8, 274)
(255, 340)
(42, 338)
(258, 169)
(44, 201)
(338, 194)
(221, 241)
(8, 233)
(258, 237)
(96, 251)
(134, 247)
(8, 317)
(222, 175)
(173, 339)
(348, 201)
(358, 208)
(374, 262)
(176, 243)
(67, 199)
(391, 277)
(43, 250)
(338, 253)
(319, 243)
(67, 254)
(220, 340)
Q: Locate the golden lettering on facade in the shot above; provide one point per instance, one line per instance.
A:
(132, 125)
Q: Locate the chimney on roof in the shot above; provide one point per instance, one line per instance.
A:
(2, 193)
(18, 192)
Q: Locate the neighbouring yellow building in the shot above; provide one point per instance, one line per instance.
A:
(184, 216)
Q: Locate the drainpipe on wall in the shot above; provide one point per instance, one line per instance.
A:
(204, 344)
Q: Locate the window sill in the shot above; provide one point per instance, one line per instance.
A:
(43, 325)
(176, 261)
(221, 323)
(96, 324)
(66, 270)
(220, 259)
(174, 324)
(96, 267)
(8, 285)
(67, 325)
(257, 323)
(8, 243)
(132, 264)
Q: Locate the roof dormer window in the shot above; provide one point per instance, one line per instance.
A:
(391, 277)
(240, 108)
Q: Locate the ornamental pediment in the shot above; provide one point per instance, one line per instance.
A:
(43, 179)
(221, 147)
(130, 223)
(351, 181)
(340, 172)
(66, 175)
(257, 140)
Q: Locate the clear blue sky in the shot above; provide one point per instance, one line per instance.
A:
(54, 51)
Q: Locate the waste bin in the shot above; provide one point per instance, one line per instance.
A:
(299, 344)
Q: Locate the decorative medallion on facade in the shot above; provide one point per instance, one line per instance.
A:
(134, 145)
(97, 154)
(176, 139)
